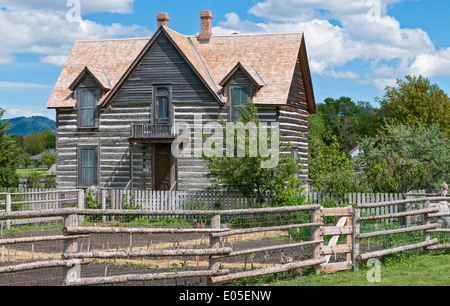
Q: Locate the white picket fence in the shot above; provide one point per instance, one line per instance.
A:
(179, 200)
(37, 199)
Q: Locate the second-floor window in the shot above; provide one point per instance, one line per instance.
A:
(162, 105)
(238, 99)
(88, 99)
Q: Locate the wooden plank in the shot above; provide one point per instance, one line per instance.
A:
(335, 249)
(337, 230)
(336, 212)
(336, 267)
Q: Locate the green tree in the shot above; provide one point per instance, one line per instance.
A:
(348, 120)
(47, 159)
(10, 151)
(36, 143)
(416, 101)
(244, 173)
(331, 169)
(27, 161)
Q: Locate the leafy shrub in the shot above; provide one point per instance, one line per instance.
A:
(34, 179)
(398, 174)
(8, 178)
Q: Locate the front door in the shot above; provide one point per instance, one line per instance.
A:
(162, 167)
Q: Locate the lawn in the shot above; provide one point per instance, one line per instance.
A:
(22, 172)
(430, 270)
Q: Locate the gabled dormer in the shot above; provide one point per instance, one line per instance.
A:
(241, 82)
(88, 89)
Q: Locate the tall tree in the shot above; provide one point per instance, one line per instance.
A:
(330, 168)
(415, 100)
(10, 157)
(349, 120)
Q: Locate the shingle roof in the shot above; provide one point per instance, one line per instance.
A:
(112, 56)
(270, 59)
(273, 56)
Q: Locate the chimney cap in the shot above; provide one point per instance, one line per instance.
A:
(206, 14)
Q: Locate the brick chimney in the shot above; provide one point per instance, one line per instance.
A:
(163, 19)
(206, 29)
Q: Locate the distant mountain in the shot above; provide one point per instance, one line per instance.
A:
(25, 126)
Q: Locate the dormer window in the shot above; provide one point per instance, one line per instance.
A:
(88, 89)
(241, 83)
(88, 99)
(239, 97)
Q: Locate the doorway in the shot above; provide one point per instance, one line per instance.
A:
(162, 165)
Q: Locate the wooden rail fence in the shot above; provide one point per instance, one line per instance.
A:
(348, 225)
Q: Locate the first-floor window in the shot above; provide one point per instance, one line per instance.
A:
(87, 166)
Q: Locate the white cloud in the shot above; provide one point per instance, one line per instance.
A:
(432, 64)
(86, 6)
(28, 27)
(15, 86)
(340, 32)
(24, 113)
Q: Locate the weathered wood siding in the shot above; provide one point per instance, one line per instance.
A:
(294, 129)
(162, 65)
(297, 96)
(133, 104)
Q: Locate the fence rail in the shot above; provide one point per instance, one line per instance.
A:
(358, 224)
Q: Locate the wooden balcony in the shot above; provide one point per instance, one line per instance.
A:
(152, 133)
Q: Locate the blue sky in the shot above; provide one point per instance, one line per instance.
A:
(356, 47)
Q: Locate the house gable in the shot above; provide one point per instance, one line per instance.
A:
(186, 51)
(301, 94)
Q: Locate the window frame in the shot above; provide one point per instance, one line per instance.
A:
(155, 104)
(97, 95)
(96, 149)
(232, 106)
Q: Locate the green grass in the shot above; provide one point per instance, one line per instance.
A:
(430, 270)
(22, 172)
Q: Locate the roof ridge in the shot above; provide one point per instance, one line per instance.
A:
(113, 39)
(253, 34)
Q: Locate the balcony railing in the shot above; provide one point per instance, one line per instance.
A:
(150, 131)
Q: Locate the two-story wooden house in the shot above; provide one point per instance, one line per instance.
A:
(117, 101)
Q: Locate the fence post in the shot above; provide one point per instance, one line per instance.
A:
(8, 210)
(104, 204)
(72, 270)
(214, 243)
(81, 201)
(426, 221)
(316, 232)
(355, 232)
(112, 199)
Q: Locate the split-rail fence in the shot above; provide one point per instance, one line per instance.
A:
(344, 238)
